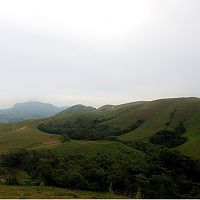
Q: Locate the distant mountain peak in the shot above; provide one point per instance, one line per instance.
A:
(29, 110)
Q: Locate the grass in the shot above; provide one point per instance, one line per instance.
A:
(21, 124)
(4, 127)
(158, 114)
(155, 113)
(33, 192)
(33, 139)
(191, 148)
(26, 138)
(90, 148)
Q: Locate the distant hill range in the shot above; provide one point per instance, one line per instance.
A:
(77, 108)
(135, 121)
(29, 110)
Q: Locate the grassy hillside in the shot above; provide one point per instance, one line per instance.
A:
(29, 137)
(127, 160)
(33, 192)
(5, 127)
(90, 148)
(25, 136)
(75, 109)
(155, 114)
(158, 114)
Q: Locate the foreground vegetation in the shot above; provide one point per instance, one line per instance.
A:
(36, 192)
(154, 172)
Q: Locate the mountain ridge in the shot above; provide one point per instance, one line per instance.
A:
(152, 116)
(28, 110)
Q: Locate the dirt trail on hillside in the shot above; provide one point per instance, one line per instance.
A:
(25, 127)
(22, 128)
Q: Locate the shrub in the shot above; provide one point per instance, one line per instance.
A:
(23, 178)
(64, 138)
(168, 138)
(76, 180)
(85, 129)
(156, 173)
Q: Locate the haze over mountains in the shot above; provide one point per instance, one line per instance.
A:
(29, 110)
(37, 110)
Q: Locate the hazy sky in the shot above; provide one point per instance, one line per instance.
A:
(98, 51)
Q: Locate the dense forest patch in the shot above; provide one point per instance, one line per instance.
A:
(162, 173)
(89, 129)
(169, 138)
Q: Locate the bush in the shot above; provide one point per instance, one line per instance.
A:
(77, 181)
(168, 138)
(86, 129)
(154, 173)
(23, 178)
(64, 138)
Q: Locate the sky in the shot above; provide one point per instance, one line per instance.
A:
(97, 52)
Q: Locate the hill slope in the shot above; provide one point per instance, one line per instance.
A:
(156, 115)
(76, 109)
(109, 149)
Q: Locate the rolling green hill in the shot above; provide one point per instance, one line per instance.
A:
(155, 114)
(120, 135)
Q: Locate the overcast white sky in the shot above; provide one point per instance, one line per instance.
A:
(96, 52)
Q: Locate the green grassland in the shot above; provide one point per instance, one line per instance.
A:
(154, 113)
(27, 137)
(4, 127)
(90, 148)
(157, 115)
(33, 192)
(32, 138)
(187, 110)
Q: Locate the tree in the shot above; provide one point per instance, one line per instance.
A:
(64, 138)
(76, 180)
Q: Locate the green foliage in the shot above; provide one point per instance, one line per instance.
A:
(151, 170)
(81, 129)
(138, 194)
(41, 186)
(64, 138)
(5, 127)
(23, 178)
(86, 129)
(180, 129)
(77, 181)
(134, 126)
(154, 174)
(49, 192)
(110, 188)
(168, 138)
